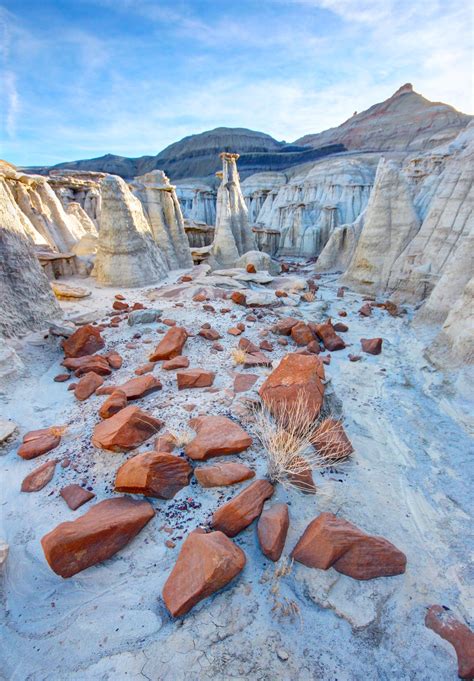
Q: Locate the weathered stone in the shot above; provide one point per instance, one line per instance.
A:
(216, 436)
(87, 385)
(179, 362)
(272, 529)
(329, 336)
(82, 365)
(97, 535)
(85, 341)
(153, 474)
(171, 345)
(239, 298)
(125, 430)
(331, 541)
(114, 359)
(442, 622)
(76, 496)
(39, 477)
(284, 325)
(165, 443)
(210, 334)
(7, 428)
(140, 386)
(38, 442)
(331, 441)
(243, 382)
(223, 474)
(373, 346)
(114, 403)
(366, 310)
(238, 513)
(143, 317)
(206, 563)
(301, 334)
(194, 378)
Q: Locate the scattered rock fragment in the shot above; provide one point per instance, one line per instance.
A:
(87, 385)
(76, 496)
(216, 436)
(179, 362)
(171, 345)
(272, 529)
(38, 442)
(82, 365)
(243, 382)
(329, 337)
(85, 341)
(366, 310)
(238, 513)
(114, 403)
(440, 619)
(153, 474)
(301, 334)
(39, 477)
(125, 430)
(331, 441)
(223, 474)
(373, 346)
(140, 386)
(194, 378)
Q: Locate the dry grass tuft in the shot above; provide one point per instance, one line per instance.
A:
(182, 437)
(294, 445)
(239, 356)
(58, 431)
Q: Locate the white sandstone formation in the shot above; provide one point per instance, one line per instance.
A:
(26, 298)
(259, 190)
(198, 201)
(127, 254)
(80, 187)
(233, 236)
(161, 206)
(390, 224)
(340, 247)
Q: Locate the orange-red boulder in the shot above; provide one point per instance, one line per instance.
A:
(194, 378)
(272, 529)
(171, 345)
(216, 436)
(251, 268)
(114, 359)
(95, 536)
(125, 430)
(140, 386)
(82, 365)
(206, 563)
(179, 362)
(39, 477)
(154, 474)
(38, 442)
(329, 541)
(145, 368)
(87, 385)
(301, 334)
(330, 440)
(85, 341)
(373, 346)
(76, 496)
(165, 443)
(284, 325)
(114, 403)
(440, 619)
(238, 513)
(298, 378)
(223, 474)
(366, 310)
(239, 298)
(329, 337)
(210, 334)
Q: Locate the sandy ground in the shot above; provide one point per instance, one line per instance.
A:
(408, 481)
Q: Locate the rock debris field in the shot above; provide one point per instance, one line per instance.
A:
(148, 535)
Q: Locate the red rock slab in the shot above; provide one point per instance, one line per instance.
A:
(340, 327)
(313, 347)
(179, 362)
(39, 477)
(272, 529)
(257, 359)
(250, 268)
(243, 382)
(125, 430)
(119, 305)
(194, 378)
(119, 296)
(87, 385)
(206, 563)
(297, 377)
(61, 378)
(32, 448)
(239, 298)
(145, 368)
(106, 389)
(366, 310)
(95, 536)
(114, 359)
(140, 386)
(154, 474)
(223, 474)
(238, 513)
(171, 344)
(330, 440)
(209, 334)
(216, 436)
(373, 346)
(76, 496)
(302, 479)
(247, 346)
(354, 358)
(285, 324)
(165, 443)
(81, 365)
(114, 403)
(266, 345)
(85, 341)
(301, 334)
(440, 619)
(234, 331)
(332, 541)
(329, 337)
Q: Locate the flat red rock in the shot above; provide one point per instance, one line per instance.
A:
(301, 334)
(210, 334)
(140, 386)
(272, 529)
(39, 477)
(38, 442)
(238, 513)
(87, 385)
(330, 440)
(95, 536)
(243, 382)
(171, 344)
(373, 346)
(206, 563)
(216, 436)
(85, 341)
(154, 474)
(82, 365)
(442, 621)
(194, 378)
(179, 362)
(223, 474)
(145, 368)
(125, 430)
(285, 324)
(114, 403)
(329, 541)
(76, 496)
(329, 337)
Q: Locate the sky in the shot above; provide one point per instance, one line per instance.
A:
(82, 78)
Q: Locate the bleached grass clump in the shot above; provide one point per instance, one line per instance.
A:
(295, 444)
(182, 437)
(238, 355)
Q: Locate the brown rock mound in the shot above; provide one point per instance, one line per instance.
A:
(95, 536)
(85, 341)
(127, 429)
(238, 513)
(216, 435)
(154, 474)
(206, 563)
(329, 337)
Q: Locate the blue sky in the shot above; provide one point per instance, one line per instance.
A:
(81, 78)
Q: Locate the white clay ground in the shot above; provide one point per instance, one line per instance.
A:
(408, 481)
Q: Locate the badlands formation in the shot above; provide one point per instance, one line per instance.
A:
(235, 415)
